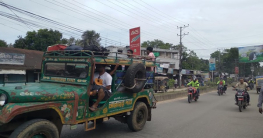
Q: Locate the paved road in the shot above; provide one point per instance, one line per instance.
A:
(212, 116)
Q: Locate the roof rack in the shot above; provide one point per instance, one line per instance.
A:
(98, 55)
(70, 53)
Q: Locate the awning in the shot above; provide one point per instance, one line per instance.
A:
(12, 71)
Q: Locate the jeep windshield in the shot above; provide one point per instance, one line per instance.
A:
(68, 70)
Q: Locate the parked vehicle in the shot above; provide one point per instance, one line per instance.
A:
(192, 94)
(241, 99)
(259, 83)
(62, 97)
(161, 84)
(220, 90)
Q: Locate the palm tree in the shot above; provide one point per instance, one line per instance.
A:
(90, 38)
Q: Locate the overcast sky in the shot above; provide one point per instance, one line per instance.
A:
(213, 24)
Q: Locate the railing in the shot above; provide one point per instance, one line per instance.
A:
(70, 53)
(87, 53)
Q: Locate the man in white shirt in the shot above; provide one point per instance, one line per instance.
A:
(102, 88)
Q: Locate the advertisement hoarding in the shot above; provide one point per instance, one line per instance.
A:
(12, 58)
(212, 60)
(170, 71)
(212, 66)
(159, 70)
(236, 70)
(135, 40)
(250, 54)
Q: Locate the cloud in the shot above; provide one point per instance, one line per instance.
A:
(213, 24)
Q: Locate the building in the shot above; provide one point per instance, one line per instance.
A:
(19, 65)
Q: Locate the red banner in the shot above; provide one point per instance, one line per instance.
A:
(135, 41)
(236, 70)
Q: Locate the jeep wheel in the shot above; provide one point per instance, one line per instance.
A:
(36, 128)
(135, 78)
(138, 117)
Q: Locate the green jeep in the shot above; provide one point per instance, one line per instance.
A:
(29, 110)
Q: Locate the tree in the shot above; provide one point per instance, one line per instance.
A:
(157, 44)
(39, 40)
(90, 38)
(73, 40)
(190, 60)
(3, 43)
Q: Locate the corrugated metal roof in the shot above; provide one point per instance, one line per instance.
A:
(33, 59)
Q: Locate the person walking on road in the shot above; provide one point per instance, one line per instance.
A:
(175, 83)
(260, 100)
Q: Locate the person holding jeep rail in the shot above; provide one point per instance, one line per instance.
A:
(101, 90)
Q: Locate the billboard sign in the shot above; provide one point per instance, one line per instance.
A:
(236, 70)
(159, 70)
(183, 71)
(170, 71)
(212, 60)
(250, 54)
(12, 58)
(135, 41)
(212, 66)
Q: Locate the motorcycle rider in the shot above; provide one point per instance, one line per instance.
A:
(251, 83)
(243, 86)
(260, 100)
(194, 83)
(223, 83)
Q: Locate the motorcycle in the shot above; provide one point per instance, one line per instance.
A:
(220, 90)
(241, 99)
(192, 94)
(251, 86)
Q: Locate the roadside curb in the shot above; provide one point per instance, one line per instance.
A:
(169, 96)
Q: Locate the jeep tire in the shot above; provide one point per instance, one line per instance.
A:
(135, 77)
(36, 127)
(138, 117)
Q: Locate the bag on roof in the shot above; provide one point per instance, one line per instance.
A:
(97, 50)
(73, 47)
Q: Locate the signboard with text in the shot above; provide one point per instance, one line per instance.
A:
(212, 66)
(12, 58)
(135, 41)
(159, 70)
(170, 70)
(236, 70)
(250, 54)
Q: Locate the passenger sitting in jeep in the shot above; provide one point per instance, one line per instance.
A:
(102, 88)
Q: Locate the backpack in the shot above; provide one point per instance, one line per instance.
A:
(221, 83)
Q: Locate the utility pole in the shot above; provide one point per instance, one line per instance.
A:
(180, 52)
(252, 70)
(235, 69)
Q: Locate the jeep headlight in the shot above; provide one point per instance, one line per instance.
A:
(3, 99)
